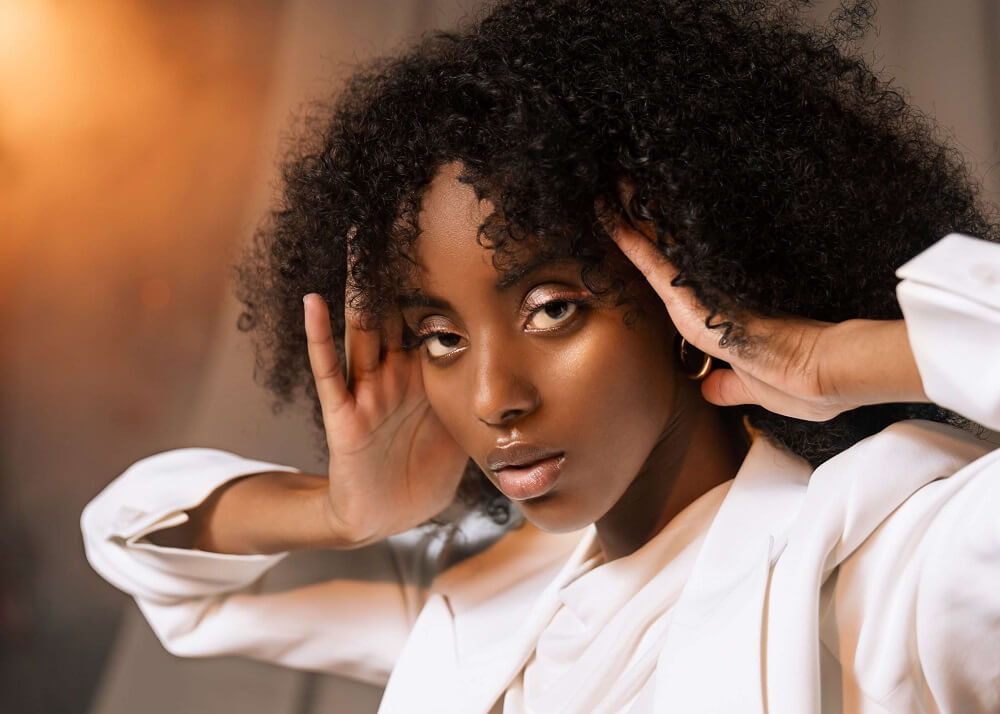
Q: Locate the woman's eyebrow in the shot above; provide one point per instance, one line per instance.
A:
(508, 279)
(513, 276)
(418, 299)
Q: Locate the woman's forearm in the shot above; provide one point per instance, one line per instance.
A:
(266, 512)
(875, 363)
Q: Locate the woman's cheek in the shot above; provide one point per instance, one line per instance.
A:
(443, 401)
(622, 377)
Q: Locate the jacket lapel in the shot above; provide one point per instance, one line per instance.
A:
(711, 661)
(480, 626)
(849, 497)
(487, 665)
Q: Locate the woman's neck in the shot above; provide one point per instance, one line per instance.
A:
(696, 453)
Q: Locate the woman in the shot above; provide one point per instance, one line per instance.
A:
(525, 219)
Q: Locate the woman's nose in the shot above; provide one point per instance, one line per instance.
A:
(503, 393)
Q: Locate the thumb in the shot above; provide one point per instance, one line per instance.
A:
(724, 388)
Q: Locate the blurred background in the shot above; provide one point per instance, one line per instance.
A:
(138, 146)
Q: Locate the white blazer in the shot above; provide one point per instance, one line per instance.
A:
(869, 585)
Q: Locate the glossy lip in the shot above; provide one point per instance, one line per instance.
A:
(531, 481)
(518, 454)
(524, 471)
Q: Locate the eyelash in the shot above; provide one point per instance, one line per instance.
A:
(531, 310)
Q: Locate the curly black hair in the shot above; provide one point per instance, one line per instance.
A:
(780, 172)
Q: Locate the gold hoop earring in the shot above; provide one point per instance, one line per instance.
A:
(685, 351)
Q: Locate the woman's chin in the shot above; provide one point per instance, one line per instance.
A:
(553, 513)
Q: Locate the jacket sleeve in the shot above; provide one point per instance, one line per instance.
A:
(957, 598)
(201, 603)
(950, 297)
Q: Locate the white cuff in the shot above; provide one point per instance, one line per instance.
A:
(950, 298)
(154, 494)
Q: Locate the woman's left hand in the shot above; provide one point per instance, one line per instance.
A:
(793, 366)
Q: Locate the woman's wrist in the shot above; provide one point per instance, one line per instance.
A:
(262, 513)
(873, 363)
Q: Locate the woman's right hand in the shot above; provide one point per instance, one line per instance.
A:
(393, 465)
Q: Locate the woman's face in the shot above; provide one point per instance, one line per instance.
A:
(536, 370)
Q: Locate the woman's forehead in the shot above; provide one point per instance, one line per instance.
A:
(503, 273)
(449, 207)
(455, 226)
(462, 237)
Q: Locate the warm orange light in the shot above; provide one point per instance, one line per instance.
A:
(62, 70)
(21, 27)
(155, 293)
(28, 51)
(78, 83)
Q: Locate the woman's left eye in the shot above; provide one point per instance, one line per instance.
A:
(552, 313)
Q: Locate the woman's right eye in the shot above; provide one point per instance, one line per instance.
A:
(441, 344)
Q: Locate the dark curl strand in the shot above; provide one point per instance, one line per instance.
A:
(781, 174)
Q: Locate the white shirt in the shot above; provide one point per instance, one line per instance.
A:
(869, 585)
(599, 651)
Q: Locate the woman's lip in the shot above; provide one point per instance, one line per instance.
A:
(519, 483)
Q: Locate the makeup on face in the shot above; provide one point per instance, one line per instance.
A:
(546, 307)
(541, 381)
(524, 470)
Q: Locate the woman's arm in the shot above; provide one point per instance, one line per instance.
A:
(189, 533)
(154, 494)
(392, 464)
(266, 512)
(946, 349)
(950, 297)
(202, 603)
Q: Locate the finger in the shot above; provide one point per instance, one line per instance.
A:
(361, 347)
(395, 359)
(687, 314)
(725, 388)
(641, 250)
(330, 385)
(392, 332)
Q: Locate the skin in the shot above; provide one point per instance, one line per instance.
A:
(640, 443)
(794, 366)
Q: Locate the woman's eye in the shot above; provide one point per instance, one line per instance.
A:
(547, 316)
(552, 313)
(441, 344)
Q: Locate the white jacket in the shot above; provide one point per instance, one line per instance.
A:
(869, 585)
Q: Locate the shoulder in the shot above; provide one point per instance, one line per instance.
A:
(914, 610)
